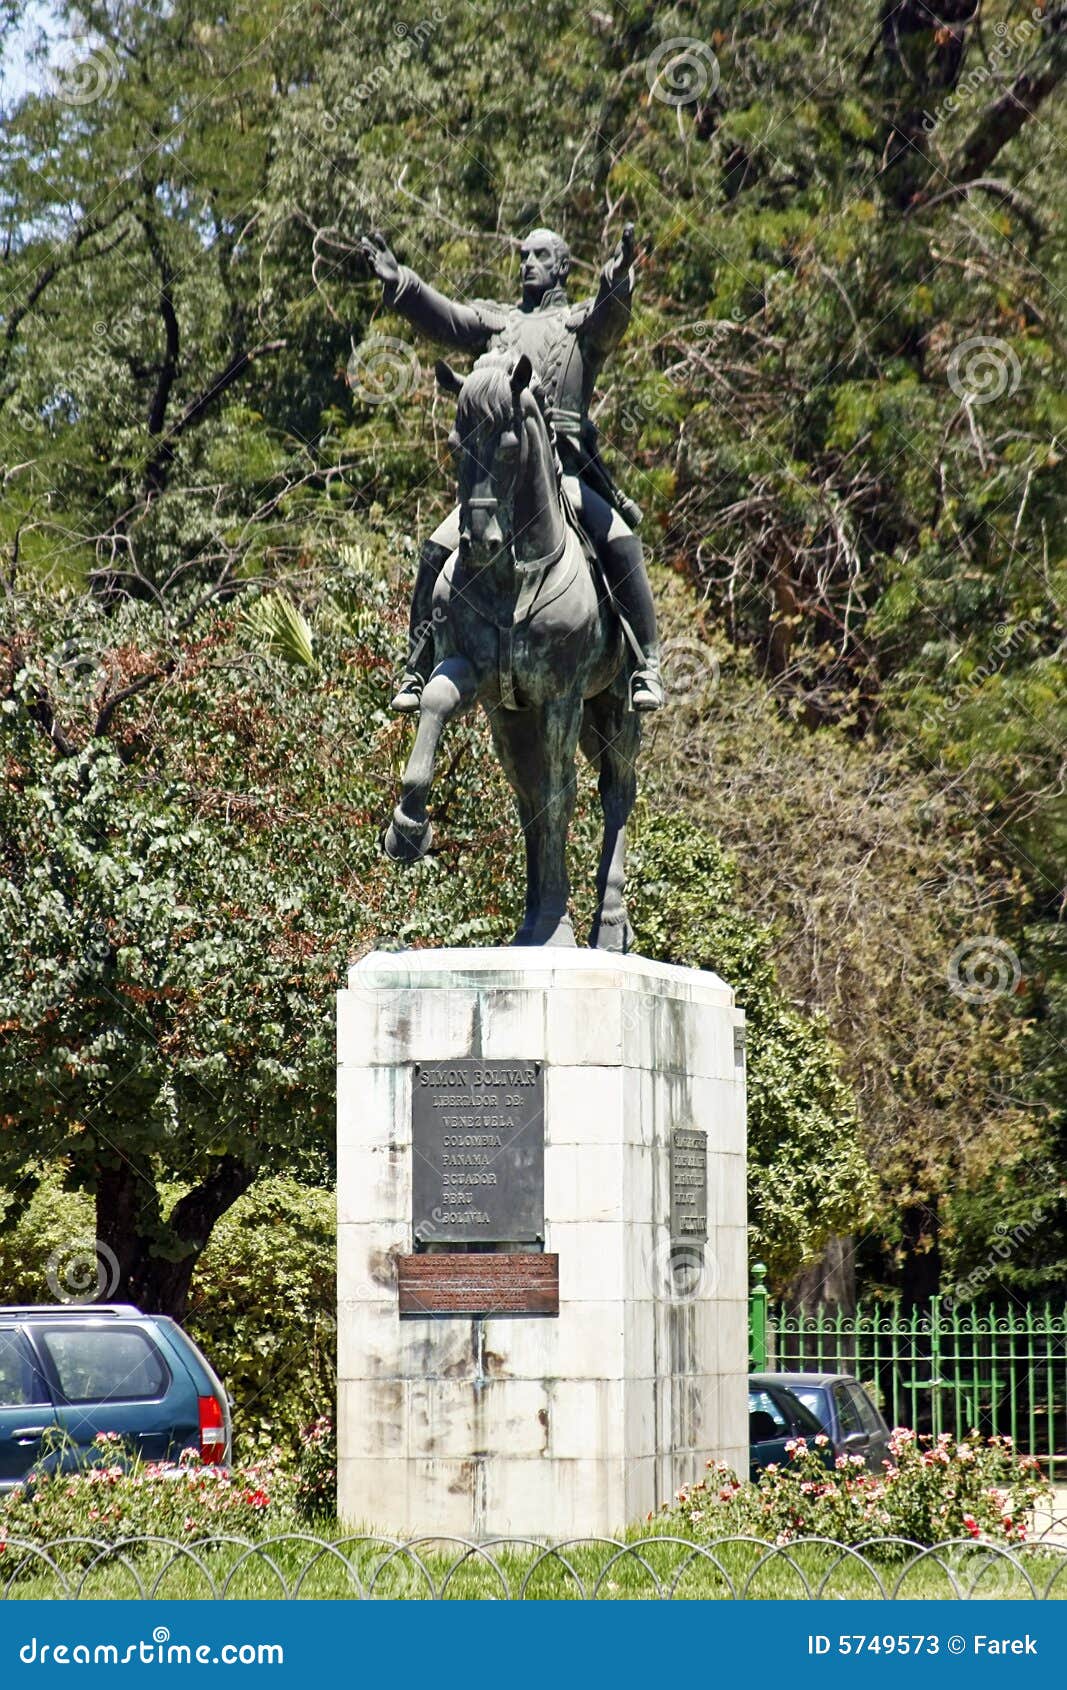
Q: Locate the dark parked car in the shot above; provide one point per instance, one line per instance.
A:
(843, 1409)
(775, 1417)
(72, 1371)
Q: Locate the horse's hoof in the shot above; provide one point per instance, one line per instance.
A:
(617, 936)
(560, 934)
(404, 842)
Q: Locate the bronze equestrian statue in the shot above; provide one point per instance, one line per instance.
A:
(522, 623)
(567, 345)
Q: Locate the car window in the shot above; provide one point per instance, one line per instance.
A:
(105, 1364)
(765, 1418)
(19, 1382)
(869, 1416)
(803, 1420)
(814, 1401)
(848, 1414)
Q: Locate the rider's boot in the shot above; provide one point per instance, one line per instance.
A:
(625, 566)
(432, 559)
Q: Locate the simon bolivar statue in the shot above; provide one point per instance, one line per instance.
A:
(567, 345)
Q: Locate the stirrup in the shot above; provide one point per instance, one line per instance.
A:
(409, 696)
(646, 688)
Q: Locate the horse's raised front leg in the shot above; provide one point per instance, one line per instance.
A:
(537, 748)
(611, 739)
(451, 688)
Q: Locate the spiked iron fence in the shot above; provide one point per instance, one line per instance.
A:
(945, 1367)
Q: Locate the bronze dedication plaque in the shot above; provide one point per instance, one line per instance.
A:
(478, 1152)
(475, 1283)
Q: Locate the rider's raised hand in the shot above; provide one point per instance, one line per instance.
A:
(375, 250)
(622, 258)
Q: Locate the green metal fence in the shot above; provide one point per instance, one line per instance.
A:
(943, 1368)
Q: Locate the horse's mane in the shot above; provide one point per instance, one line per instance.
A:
(486, 394)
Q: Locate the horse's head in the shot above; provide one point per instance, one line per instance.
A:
(505, 460)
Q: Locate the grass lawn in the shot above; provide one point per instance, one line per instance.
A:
(644, 1566)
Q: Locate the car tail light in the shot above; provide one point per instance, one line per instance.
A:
(212, 1429)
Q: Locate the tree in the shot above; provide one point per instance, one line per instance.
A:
(179, 899)
(838, 406)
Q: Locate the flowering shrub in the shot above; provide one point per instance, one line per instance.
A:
(929, 1491)
(120, 1496)
(316, 1471)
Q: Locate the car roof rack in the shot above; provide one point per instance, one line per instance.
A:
(66, 1308)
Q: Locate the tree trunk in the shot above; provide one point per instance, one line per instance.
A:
(920, 1273)
(147, 1261)
(831, 1281)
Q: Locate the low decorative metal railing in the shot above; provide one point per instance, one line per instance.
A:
(659, 1567)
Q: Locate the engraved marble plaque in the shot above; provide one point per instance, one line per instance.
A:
(689, 1185)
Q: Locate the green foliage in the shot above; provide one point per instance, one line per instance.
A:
(263, 1308)
(809, 1178)
(838, 404)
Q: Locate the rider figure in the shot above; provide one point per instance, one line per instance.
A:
(567, 345)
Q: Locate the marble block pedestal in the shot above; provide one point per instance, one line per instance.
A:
(532, 1424)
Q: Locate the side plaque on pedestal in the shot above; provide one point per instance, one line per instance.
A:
(478, 1149)
(689, 1186)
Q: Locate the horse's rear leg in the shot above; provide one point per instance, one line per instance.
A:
(537, 748)
(611, 739)
(450, 689)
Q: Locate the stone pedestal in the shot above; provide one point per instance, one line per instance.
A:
(537, 1424)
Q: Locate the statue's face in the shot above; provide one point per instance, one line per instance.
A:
(543, 264)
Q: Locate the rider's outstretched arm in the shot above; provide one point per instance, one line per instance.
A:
(447, 321)
(608, 316)
(467, 328)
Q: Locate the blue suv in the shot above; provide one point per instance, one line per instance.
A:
(71, 1371)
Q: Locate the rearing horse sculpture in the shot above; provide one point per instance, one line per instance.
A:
(523, 626)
